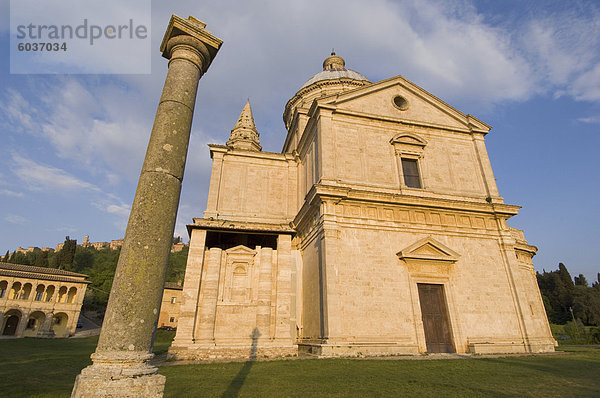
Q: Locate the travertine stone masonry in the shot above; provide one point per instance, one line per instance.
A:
(325, 247)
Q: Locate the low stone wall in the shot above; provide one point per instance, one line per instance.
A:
(229, 352)
(358, 350)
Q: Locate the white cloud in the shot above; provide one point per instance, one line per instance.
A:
(103, 128)
(16, 219)
(39, 177)
(590, 120)
(7, 192)
(120, 210)
(14, 108)
(586, 86)
(563, 48)
(112, 205)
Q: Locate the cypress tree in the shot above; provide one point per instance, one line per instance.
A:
(581, 281)
(66, 255)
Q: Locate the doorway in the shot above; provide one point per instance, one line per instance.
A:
(10, 327)
(435, 318)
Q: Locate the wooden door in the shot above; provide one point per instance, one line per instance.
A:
(11, 325)
(435, 318)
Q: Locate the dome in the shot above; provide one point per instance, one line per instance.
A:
(334, 68)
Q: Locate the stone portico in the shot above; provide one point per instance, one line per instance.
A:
(38, 301)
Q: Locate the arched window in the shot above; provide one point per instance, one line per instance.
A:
(49, 293)
(25, 292)
(14, 291)
(62, 295)
(71, 295)
(3, 288)
(39, 292)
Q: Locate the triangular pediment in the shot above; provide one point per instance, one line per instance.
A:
(398, 99)
(428, 249)
(240, 249)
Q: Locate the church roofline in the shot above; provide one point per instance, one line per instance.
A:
(224, 149)
(471, 122)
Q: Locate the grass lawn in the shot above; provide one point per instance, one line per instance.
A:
(47, 368)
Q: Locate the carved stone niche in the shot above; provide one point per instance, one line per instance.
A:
(241, 276)
(428, 257)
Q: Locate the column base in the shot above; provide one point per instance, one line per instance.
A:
(48, 334)
(118, 374)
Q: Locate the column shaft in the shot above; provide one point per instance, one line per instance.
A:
(136, 293)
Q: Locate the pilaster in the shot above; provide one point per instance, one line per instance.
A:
(207, 311)
(284, 287)
(191, 290)
(265, 286)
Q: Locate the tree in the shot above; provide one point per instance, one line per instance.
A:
(565, 276)
(6, 256)
(84, 259)
(580, 280)
(66, 254)
(41, 260)
(561, 295)
(19, 258)
(558, 288)
(177, 262)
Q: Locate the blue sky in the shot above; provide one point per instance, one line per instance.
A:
(73, 145)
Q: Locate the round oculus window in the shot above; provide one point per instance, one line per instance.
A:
(400, 102)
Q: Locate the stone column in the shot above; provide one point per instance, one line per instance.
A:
(120, 364)
(46, 329)
(22, 324)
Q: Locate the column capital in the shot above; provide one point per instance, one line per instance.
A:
(198, 45)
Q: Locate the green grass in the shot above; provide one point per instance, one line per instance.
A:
(573, 374)
(47, 368)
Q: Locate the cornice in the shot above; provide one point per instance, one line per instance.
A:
(321, 191)
(241, 226)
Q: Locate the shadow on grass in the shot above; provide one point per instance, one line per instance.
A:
(238, 381)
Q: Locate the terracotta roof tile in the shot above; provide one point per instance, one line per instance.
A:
(39, 270)
(48, 274)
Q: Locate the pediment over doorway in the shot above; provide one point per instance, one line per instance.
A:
(240, 249)
(428, 249)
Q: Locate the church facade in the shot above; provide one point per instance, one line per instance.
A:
(377, 230)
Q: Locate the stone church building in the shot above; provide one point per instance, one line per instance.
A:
(377, 230)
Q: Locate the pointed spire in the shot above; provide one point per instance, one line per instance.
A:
(244, 134)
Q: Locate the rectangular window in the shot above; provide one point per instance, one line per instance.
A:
(173, 300)
(410, 169)
(172, 319)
